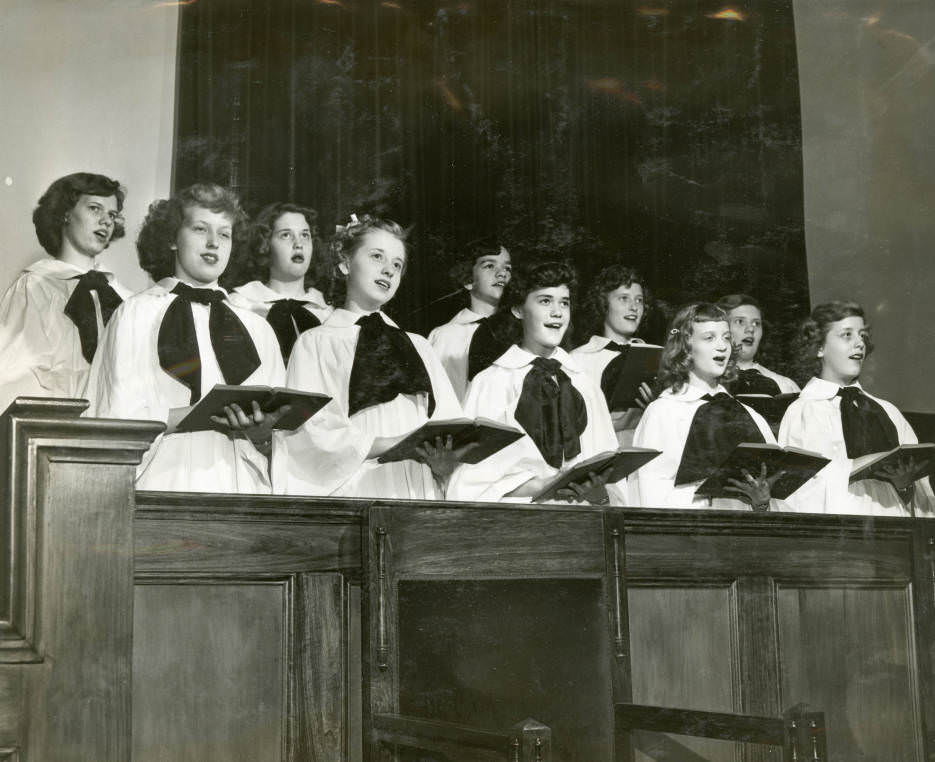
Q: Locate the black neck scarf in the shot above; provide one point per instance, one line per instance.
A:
(485, 347)
(178, 343)
(718, 427)
(289, 319)
(386, 363)
(867, 428)
(552, 412)
(614, 369)
(751, 381)
(80, 308)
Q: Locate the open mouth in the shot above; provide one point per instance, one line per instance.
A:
(208, 258)
(299, 259)
(720, 359)
(554, 325)
(748, 340)
(382, 283)
(102, 235)
(857, 356)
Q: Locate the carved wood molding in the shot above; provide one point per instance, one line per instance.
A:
(35, 432)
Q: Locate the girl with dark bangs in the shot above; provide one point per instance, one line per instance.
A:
(834, 416)
(53, 315)
(169, 345)
(537, 387)
(614, 308)
(277, 282)
(384, 382)
(469, 342)
(694, 422)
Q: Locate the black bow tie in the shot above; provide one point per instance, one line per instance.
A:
(751, 381)
(289, 318)
(80, 308)
(552, 412)
(613, 369)
(489, 341)
(178, 343)
(386, 364)
(718, 427)
(866, 426)
(614, 346)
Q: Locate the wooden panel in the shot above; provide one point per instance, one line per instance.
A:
(496, 651)
(493, 541)
(211, 543)
(354, 678)
(848, 652)
(208, 672)
(684, 654)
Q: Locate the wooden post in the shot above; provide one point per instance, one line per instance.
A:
(66, 567)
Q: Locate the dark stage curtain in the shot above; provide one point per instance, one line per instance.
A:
(664, 134)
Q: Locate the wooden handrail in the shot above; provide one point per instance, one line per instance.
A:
(689, 722)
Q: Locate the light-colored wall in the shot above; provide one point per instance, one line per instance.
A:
(85, 85)
(867, 80)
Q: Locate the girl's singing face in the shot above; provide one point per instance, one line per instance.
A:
(90, 224)
(746, 330)
(709, 350)
(203, 246)
(625, 306)
(844, 350)
(374, 270)
(290, 247)
(491, 273)
(545, 316)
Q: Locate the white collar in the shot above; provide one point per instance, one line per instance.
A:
(819, 389)
(517, 357)
(690, 393)
(342, 317)
(167, 284)
(258, 291)
(56, 268)
(465, 316)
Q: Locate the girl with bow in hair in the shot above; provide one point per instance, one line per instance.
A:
(834, 416)
(473, 338)
(537, 387)
(695, 423)
(384, 382)
(276, 281)
(614, 307)
(52, 317)
(746, 328)
(169, 345)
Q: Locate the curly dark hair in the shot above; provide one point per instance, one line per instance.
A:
(61, 197)
(531, 278)
(594, 305)
(676, 359)
(344, 244)
(165, 217)
(255, 266)
(733, 301)
(812, 334)
(462, 271)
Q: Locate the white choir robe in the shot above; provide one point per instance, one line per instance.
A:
(259, 298)
(494, 394)
(451, 343)
(328, 455)
(813, 422)
(127, 382)
(665, 426)
(786, 385)
(594, 359)
(39, 343)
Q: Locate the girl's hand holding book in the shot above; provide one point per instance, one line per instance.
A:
(754, 490)
(256, 426)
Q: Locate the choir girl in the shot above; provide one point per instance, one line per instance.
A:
(614, 305)
(746, 328)
(52, 317)
(537, 387)
(837, 418)
(170, 344)
(694, 422)
(384, 382)
(464, 343)
(279, 287)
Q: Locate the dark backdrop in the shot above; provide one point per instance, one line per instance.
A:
(662, 134)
